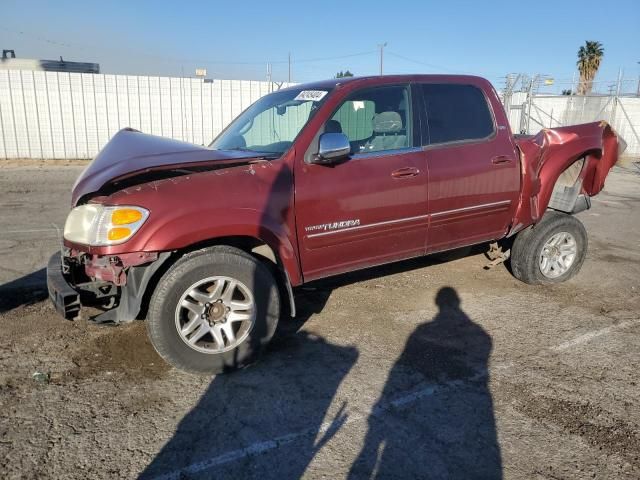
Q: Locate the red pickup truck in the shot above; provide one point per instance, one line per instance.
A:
(207, 243)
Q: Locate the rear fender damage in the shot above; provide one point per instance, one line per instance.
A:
(562, 168)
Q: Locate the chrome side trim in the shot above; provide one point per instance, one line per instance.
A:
(385, 153)
(360, 227)
(474, 207)
(409, 219)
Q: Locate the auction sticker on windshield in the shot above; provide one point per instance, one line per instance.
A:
(313, 95)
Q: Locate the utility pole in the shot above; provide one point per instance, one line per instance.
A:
(269, 75)
(289, 67)
(381, 47)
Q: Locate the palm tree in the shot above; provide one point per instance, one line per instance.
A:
(589, 58)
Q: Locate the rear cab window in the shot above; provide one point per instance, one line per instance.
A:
(455, 113)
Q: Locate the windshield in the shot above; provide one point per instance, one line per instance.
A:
(272, 123)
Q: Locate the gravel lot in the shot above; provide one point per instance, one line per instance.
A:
(424, 369)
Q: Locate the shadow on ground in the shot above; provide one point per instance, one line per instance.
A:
(449, 431)
(25, 290)
(279, 403)
(434, 418)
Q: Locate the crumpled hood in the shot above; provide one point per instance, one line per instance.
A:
(131, 152)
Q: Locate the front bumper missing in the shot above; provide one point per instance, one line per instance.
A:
(68, 297)
(63, 296)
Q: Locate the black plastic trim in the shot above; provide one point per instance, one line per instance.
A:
(63, 296)
(131, 295)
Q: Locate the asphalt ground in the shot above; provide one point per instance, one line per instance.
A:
(431, 368)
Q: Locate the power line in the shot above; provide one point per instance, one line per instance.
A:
(182, 60)
(440, 68)
(339, 57)
(430, 65)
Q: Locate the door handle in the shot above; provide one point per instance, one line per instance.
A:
(405, 172)
(501, 159)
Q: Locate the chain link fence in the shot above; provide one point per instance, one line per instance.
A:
(529, 112)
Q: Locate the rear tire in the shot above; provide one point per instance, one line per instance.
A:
(214, 311)
(552, 251)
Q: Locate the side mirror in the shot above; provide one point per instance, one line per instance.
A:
(333, 147)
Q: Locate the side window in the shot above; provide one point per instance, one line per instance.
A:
(375, 119)
(456, 112)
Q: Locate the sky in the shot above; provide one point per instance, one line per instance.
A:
(236, 40)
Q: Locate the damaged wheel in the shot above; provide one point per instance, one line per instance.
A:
(214, 310)
(551, 251)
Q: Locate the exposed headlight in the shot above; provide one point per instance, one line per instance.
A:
(99, 225)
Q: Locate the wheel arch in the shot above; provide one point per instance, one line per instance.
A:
(564, 181)
(252, 245)
(549, 154)
(556, 187)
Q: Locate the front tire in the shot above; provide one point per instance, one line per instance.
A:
(213, 311)
(551, 251)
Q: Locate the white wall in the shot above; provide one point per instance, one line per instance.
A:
(72, 115)
(63, 115)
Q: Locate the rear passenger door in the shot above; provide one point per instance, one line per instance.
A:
(474, 177)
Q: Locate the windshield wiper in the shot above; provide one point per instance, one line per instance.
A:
(239, 149)
(261, 153)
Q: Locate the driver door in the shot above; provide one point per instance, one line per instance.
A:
(371, 208)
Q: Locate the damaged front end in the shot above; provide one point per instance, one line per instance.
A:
(98, 265)
(112, 283)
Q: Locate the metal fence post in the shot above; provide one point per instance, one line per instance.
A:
(612, 115)
(529, 102)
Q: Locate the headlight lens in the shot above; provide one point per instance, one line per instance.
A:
(99, 225)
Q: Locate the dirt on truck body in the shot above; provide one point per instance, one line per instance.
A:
(207, 243)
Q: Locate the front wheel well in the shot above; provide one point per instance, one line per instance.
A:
(251, 245)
